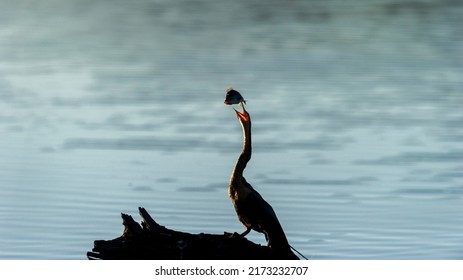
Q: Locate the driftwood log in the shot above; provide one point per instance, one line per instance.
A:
(155, 242)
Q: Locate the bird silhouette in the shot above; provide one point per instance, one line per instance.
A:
(253, 211)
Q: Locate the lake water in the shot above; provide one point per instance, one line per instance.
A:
(357, 111)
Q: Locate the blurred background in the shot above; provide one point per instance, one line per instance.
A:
(356, 105)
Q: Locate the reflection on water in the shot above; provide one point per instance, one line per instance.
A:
(109, 105)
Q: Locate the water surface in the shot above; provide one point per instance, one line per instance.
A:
(106, 106)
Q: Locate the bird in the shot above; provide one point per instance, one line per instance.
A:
(253, 211)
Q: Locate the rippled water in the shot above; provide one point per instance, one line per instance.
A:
(110, 105)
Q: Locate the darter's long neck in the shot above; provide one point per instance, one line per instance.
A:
(245, 153)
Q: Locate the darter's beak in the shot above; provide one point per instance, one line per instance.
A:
(244, 116)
